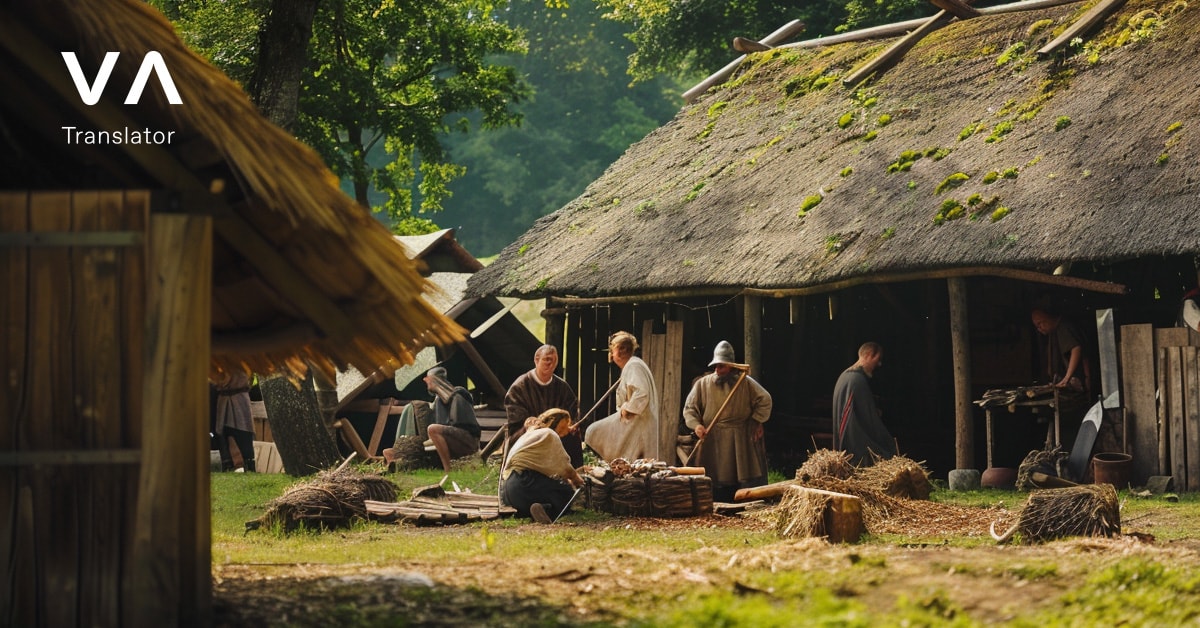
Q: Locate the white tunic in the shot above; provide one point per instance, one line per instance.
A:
(637, 436)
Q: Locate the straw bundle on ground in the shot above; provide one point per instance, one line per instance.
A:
(1040, 461)
(333, 499)
(898, 476)
(801, 514)
(1087, 510)
(826, 463)
(885, 514)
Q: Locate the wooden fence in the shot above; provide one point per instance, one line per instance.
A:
(1160, 371)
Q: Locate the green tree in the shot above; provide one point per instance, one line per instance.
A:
(581, 116)
(377, 74)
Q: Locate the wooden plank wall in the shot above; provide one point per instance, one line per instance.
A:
(1160, 372)
(663, 353)
(70, 405)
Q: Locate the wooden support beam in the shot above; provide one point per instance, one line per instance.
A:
(1085, 23)
(897, 50)
(752, 333)
(492, 381)
(960, 342)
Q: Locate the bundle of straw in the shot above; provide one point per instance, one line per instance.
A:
(898, 476)
(1086, 510)
(826, 463)
(333, 499)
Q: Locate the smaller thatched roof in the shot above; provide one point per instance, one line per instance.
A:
(968, 154)
(301, 272)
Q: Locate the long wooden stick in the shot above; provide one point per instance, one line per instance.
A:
(598, 402)
(716, 417)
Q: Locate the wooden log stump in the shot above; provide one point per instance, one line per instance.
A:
(811, 512)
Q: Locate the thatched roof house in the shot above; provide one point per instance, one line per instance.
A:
(1081, 146)
(972, 155)
(143, 246)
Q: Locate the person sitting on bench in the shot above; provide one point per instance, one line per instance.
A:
(455, 431)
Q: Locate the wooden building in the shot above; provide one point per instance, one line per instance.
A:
(921, 190)
(498, 350)
(132, 270)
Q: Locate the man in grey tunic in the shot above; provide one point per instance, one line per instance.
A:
(732, 451)
(857, 426)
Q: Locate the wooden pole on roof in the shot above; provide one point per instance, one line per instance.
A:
(897, 50)
(1084, 24)
(783, 33)
(960, 341)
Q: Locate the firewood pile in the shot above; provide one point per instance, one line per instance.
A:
(333, 499)
(1085, 510)
(646, 488)
(1008, 396)
(433, 505)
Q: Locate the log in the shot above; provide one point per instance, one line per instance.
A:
(841, 518)
(1081, 26)
(763, 492)
(688, 470)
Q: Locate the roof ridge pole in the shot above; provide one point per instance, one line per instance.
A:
(964, 423)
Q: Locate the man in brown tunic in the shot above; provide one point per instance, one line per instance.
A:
(731, 448)
(538, 391)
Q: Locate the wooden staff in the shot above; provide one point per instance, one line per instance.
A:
(598, 402)
(744, 368)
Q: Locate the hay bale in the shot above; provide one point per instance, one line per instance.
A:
(1087, 510)
(680, 495)
(826, 463)
(332, 499)
(898, 476)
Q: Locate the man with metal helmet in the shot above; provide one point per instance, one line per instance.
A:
(726, 409)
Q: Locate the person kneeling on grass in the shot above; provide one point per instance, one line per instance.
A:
(538, 479)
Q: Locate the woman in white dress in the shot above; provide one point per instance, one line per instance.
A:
(632, 431)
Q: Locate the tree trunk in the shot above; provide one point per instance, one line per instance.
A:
(304, 443)
(283, 55)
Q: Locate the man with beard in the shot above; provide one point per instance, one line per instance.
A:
(726, 409)
(540, 390)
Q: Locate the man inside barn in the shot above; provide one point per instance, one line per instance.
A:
(455, 431)
(726, 409)
(857, 422)
(537, 391)
(538, 479)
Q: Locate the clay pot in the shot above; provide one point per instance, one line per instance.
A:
(999, 477)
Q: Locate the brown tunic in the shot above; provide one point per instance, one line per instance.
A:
(730, 455)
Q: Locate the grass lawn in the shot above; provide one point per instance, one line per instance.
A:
(596, 569)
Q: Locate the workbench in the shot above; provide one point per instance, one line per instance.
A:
(1034, 397)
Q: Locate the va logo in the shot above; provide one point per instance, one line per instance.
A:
(152, 62)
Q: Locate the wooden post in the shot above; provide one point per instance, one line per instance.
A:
(555, 318)
(1175, 416)
(752, 334)
(172, 565)
(1191, 420)
(960, 341)
(669, 392)
(1137, 395)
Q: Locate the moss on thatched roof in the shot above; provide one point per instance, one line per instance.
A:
(301, 272)
(969, 152)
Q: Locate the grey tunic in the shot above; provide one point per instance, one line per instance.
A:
(729, 454)
(857, 426)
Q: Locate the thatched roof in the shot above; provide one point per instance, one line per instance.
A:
(1094, 151)
(300, 271)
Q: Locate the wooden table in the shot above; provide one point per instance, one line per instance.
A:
(1053, 431)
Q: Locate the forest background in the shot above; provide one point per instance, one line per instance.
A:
(477, 114)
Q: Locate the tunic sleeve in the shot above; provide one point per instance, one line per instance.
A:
(692, 415)
(760, 402)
